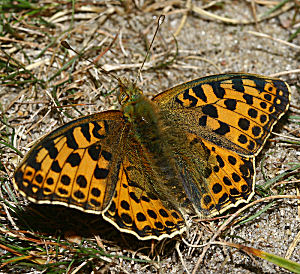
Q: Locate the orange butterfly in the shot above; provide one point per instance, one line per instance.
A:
(189, 149)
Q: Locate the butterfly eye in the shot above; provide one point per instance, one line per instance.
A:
(122, 97)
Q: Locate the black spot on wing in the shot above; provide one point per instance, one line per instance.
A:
(223, 198)
(84, 128)
(94, 151)
(163, 213)
(112, 207)
(268, 97)
(65, 180)
(192, 99)
(126, 218)
(158, 225)
(55, 166)
(223, 129)
(232, 160)
(251, 145)
(100, 173)
(227, 181)
(96, 192)
(78, 194)
(252, 113)
(141, 217)
(97, 128)
(39, 178)
(218, 90)
(263, 105)
(236, 177)
(198, 90)
(134, 197)
(230, 104)
(50, 181)
(210, 110)
(71, 142)
(125, 205)
(106, 155)
(248, 98)
(238, 85)
(81, 181)
(52, 150)
(175, 215)
(152, 214)
(94, 202)
(62, 191)
(145, 199)
(263, 118)
(203, 121)
(244, 123)
(217, 188)
(74, 159)
(242, 139)
(256, 131)
(220, 161)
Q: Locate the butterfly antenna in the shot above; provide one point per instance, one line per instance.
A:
(66, 45)
(160, 20)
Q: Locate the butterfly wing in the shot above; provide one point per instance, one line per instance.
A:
(239, 110)
(74, 165)
(228, 180)
(138, 211)
(227, 119)
(95, 165)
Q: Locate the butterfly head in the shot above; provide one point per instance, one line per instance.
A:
(135, 106)
(128, 92)
(128, 96)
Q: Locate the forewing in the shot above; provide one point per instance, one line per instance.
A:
(235, 111)
(75, 164)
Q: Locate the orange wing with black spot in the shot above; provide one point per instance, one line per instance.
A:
(235, 111)
(229, 117)
(230, 182)
(73, 165)
(139, 212)
(84, 165)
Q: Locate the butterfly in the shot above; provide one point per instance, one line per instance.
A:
(191, 149)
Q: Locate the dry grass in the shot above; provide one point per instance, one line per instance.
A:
(44, 85)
